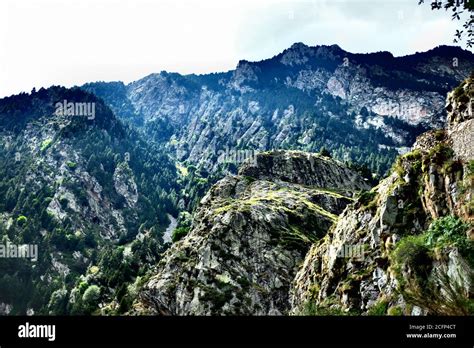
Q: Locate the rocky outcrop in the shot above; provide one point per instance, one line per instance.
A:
(460, 107)
(460, 103)
(249, 236)
(304, 169)
(405, 247)
(125, 185)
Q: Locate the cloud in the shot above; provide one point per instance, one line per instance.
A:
(73, 42)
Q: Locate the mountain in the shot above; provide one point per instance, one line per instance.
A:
(269, 241)
(133, 196)
(364, 108)
(249, 235)
(416, 230)
(84, 190)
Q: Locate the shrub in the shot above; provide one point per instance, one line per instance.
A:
(380, 308)
(433, 289)
(470, 167)
(440, 134)
(46, 144)
(21, 220)
(441, 153)
(71, 165)
(91, 295)
(64, 202)
(325, 152)
(412, 252)
(179, 233)
(368, 200)
(83, 286)
(395, 311)
(450, 231)
(311, 309)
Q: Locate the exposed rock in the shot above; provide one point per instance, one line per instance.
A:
(304, 169)
(125, 185)
(433, 182)
(460, 103)
(249, 236)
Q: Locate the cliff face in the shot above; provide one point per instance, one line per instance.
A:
(405, 247)
(249, 236)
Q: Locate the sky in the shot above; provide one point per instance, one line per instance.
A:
(71, 42)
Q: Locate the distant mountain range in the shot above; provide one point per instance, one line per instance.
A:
(364, 108)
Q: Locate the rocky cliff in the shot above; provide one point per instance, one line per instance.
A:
(406, 246)
(249, 236)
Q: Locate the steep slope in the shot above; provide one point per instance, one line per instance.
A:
(77, 186)
(362, 107)
(248, 237)
(414, 233)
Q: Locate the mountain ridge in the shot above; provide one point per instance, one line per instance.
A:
(388, 107)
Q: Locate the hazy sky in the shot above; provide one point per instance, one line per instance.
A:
(70, 42)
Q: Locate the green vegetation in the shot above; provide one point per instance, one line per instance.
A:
(380, 308)
(440, 153)
(179, 233)
(182, 170)
(470, 167)
(21, 220)
(414, 158)
(368, 199)
(395, 311)
(311, 309)
(450, 231)
(329, 307)
(219, 296)
(324, 152)
(100, 146)
(45, 144)
(91, 296)
(71, 165)
(427, 287)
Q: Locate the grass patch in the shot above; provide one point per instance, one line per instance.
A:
(380, 308)
(182, 170)
(45, 144)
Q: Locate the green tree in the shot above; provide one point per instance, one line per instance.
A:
(324, 152)
(461, 10)
(91, 296)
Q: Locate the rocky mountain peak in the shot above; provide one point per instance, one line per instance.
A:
(300, 54)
